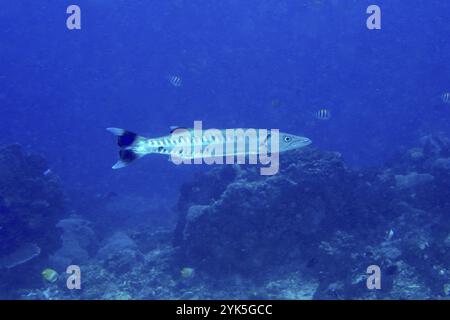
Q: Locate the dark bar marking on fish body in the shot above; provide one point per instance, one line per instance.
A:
(127, 155)
(126, 139)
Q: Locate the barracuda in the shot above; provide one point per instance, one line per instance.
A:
(183, 145)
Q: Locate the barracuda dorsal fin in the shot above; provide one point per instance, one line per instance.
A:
(173, 128)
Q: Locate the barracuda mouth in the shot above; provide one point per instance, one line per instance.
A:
(302, 141)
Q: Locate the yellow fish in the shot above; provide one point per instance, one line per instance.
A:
(187, 272)
(50, 275)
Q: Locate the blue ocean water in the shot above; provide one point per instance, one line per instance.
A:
(242, 64)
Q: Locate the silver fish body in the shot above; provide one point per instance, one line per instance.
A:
(195, 144)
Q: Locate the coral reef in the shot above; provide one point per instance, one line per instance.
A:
(327, 221)
(309, 232)
(79, 243)
(31, 203)
(258, 223)
(119, 253)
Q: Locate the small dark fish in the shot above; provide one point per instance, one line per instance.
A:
(111, 195)
(311, 263)
(323, 114)
(276, 103)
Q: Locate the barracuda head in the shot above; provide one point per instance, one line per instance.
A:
(290, 142)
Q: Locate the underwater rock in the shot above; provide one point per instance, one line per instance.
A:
(435, 146)
(118, 242)
(252, 224)
(31, 203)
(416, 154)
(447, 241)
(204, 189)
(326, 220)
(119, 253)
(132, 211)
(412, 180)
(309, 232)
(78, 243)
(292, 287)
(423, 159)
(78, 229)
(425, 184)
(442, 164)
(23, 254)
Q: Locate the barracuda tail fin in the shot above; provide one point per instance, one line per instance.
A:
(126, 140)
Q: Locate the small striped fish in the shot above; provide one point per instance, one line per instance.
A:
(323, 114)
(175, 80)
(446, 97)
(192, 144)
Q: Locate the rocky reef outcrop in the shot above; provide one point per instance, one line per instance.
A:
(326, 221)
(309, 232)
(31, 203)
(258, 222)
(79, 243)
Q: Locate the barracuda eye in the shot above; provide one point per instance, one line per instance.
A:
(287, 139)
